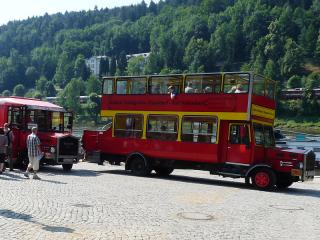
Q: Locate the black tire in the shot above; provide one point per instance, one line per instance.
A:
(67, 167)
(263, 179)
(139, 166)
(163, 171)
(283, 183)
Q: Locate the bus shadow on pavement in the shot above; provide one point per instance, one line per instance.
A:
(54, 171)
(28, 218)
(187, 179)
(223, 183)
(301, 192)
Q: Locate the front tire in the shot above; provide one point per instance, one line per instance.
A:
(263, 179)
(67, 167)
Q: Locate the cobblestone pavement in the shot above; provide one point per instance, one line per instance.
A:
(105, 202)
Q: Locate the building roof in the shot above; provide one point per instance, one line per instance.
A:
(30, 103)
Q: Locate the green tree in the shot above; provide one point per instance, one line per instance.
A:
(19, 90)
(313, 81)
(41, 83)
(49, 89)
(294, 82)
(6, 93)
(69, 97)
(32, 74)
(113, 66)
(309, 104)
(197, 56)
(291, 62)
(80, 68)
(136, 65)
(122, 62)
(93, 85)
(92, 107)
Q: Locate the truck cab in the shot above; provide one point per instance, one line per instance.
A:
(54, 125)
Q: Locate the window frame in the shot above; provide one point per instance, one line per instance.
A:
(165, 134)
(130, 135)
(171, 78)
(200, 134)
(103, 84)
(204, 77)
(248, 130)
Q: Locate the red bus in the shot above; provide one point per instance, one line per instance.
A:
(54, 124)
(218, 122)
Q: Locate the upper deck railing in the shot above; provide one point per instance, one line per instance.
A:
(200, 83)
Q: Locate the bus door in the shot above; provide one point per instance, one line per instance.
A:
(263, 140)
(238, 146)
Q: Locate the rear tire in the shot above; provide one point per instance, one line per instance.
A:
(163, 171)
(139, 166)
(67, 167)
(263, 179)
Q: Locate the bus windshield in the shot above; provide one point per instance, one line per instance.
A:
(46, 121)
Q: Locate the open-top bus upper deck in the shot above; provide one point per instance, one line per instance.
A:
(231, 95)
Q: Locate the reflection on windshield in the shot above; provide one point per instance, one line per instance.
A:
(45, 121)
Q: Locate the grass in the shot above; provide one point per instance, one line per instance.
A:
(306, 125)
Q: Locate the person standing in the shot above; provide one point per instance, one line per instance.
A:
(3, 146)
(9, 134)
(34, 153)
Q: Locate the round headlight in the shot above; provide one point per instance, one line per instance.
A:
(301, 165)
(52, 150)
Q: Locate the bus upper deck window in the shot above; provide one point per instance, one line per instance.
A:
(108, 86)
(131, 85)
(236, 83)
(160, 84)
(203, 83)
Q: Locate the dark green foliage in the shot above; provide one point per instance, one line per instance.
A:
(294, 82)
(276, 38)
(19, 90)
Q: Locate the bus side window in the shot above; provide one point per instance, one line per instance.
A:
(128, 125)
(199, 129)
(162, 127)
(239, 134)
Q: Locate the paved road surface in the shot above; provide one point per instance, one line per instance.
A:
(105, 202)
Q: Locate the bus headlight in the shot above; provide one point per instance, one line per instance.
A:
(52, 150)
(301, 165)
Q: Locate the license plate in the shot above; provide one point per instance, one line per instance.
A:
(296, 172)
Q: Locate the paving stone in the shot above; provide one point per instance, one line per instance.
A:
(105, 202)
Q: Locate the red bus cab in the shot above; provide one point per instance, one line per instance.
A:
(54, 125)
(218, 122)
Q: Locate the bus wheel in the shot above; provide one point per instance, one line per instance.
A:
(283, 183)
(67, 167)
(163, 171)
(139, 166)
(263, 179)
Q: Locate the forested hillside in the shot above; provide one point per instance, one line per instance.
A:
(279, 38)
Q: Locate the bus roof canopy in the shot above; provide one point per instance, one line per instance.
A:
(30, 103)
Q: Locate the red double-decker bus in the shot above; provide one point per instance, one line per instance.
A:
(218, 122)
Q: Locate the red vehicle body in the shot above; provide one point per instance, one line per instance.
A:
(54, 130)
(214, 127)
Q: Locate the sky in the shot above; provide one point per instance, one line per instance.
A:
(22, 9)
